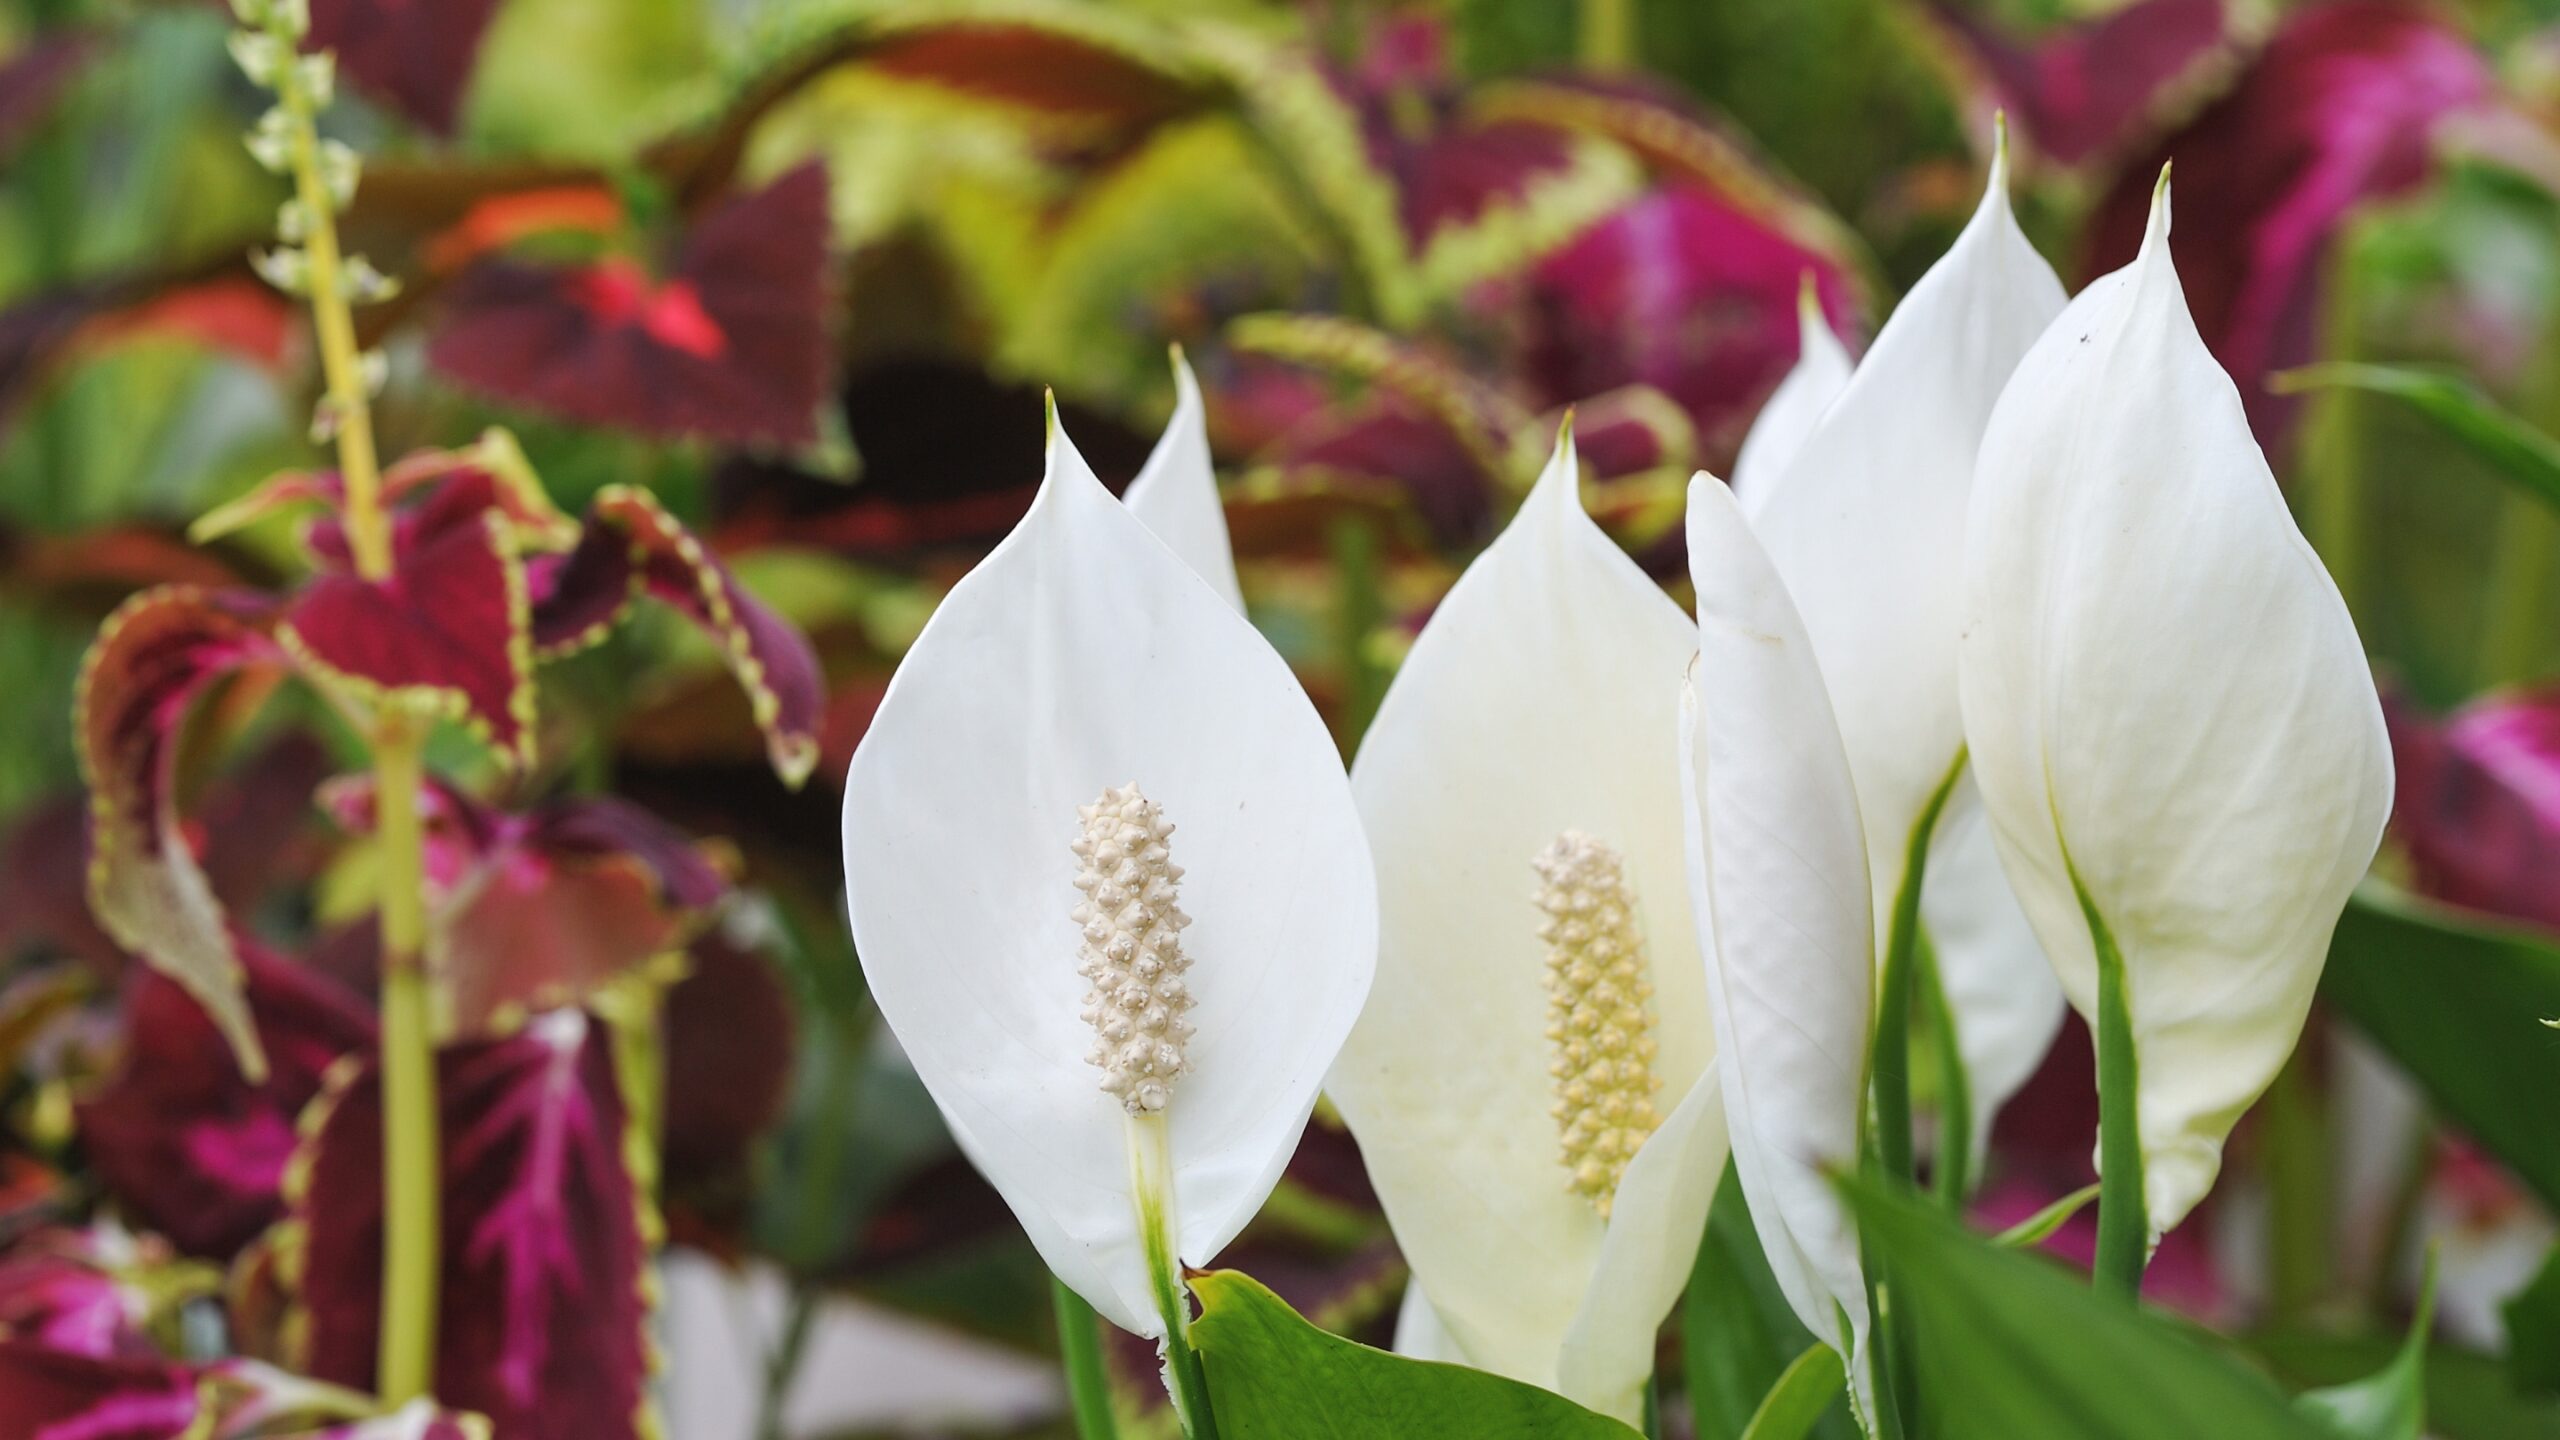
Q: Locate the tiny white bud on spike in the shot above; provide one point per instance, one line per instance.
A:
(284, 267)
(260, 56)
(1599, 1025)
(293, 222)
(1132, 949)
(293, 17)
(373, 370)
(340, 169)
(270, 141)
(317, 76)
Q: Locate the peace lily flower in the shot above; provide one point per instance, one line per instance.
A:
(2171, 716)
(1531, 1082)
(1110, 890)
(1778, 884)
(1176, 491)
(1862, 510)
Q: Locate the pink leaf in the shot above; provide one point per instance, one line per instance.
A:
(2479, 803)
(53, 1395)
(2087, 90)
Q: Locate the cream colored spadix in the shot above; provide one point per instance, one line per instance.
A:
(1866, 523)
(1132, 952)
(1533, 708)
(1778, 882)
(2167, 702)
(1083, 654)
(1599, 1013)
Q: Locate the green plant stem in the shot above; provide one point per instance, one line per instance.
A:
(2124, 1224)
(783, 1363)
(1652, 1416)
(1080, 1352)
(411, 1178)
(1360, 609)
(1151, 1174)
(1952, 1176)
(411, 1168)
(1891, 1065)
(2517, 625)
(2296, 1146)
(1608, 38)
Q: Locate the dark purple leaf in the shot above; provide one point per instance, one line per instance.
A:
(2088, 90)
(544, 1325)
(417, 55)
(48, 1394)
(731, 343)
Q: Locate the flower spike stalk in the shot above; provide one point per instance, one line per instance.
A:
(324, 176)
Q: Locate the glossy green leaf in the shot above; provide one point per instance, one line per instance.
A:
(2037, 1228)
(2011, 1345)
(1274, 1376)
(1802, 1396)
(2524, 455)
(2468, 1394)
(2459, 1003)
(1737, 1334)
(2533, 1332)
(2391, 1403)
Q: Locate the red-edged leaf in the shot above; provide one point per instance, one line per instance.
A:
(449, 633)
(417, 55)
(47, 1394)
(539, 910)
(730, 344)
(2479, 803)
(544, 1326)
(185, 1145)
(1047, 63)
(2342, 106)
(151, 660)
(2087, 90)
(632, 546)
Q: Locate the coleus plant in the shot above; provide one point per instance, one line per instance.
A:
(455, 1199)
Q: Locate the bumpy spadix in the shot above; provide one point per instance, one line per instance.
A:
(1599, 1013)
(1132, 948)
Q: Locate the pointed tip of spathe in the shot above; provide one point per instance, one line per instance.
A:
(2000, 150)
(1049, 419)
(2155, 232)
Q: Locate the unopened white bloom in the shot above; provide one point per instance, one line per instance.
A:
(2170, 713)
(1532, 1082)
(1778, 882)
(1081, 708)
(1858, 484)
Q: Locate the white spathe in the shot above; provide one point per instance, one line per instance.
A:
(2165, 698)
(1536, 701)
(1176, 491)
(1778, 883)
(1083, 654)
(1789, 416)
(1867, 521)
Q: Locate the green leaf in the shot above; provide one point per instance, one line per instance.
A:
(2533, 1332)
(2010, 1345)
(2524, 455)
(1801, 1397)
(1273, 1376)
(2391, 1403)
(2459, 1004)
(2036, 1228)
(1737, 1333)
(2468, 1394)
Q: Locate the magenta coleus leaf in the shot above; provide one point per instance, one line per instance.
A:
(2478, 804)
(48, 1394)
(2342, 105)
(60, 1289)
(187, 1146)
(416, 55)
(730, 343)
(545, 1311)
(153, 657)
(631, 547)
(537, 910)
(448, 633)
(2087, 90)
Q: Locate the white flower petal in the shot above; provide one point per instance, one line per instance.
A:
(1083, 654)
(1534, 702)
(1867, 523)
(1777, 867)
(1792, 410)
(2165, 693)
(2000, 988)
(1176, 491)
(1419, 1333)
(1608, 1355)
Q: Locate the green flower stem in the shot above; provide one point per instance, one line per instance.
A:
(2295, 1143)
(1952, 1177)
(1891, 1065)
(412, 1168)
(1151, 1170)
(1080, 1352)
(2124, 1224)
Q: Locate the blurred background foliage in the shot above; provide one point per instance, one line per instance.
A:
(1397, 241)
